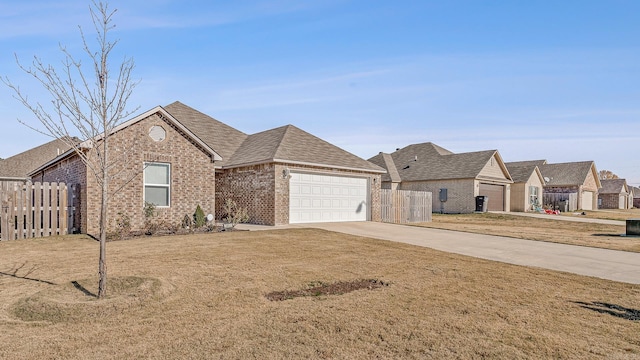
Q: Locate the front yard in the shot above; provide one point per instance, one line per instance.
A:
(204, 296)
(565, 232)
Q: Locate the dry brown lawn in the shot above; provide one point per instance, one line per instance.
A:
(565, 232)
(608, 214)
(203, 297)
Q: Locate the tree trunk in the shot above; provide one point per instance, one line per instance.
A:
(102, 262)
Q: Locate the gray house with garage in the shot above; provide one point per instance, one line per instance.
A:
(455, 179)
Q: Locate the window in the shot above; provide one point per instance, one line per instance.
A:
(533, 195)
(157, 184)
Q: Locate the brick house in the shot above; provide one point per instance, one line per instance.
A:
(178, 158)
(454, 178)
(18, 167)
(527, 187)
(614, 194)
(572, 180)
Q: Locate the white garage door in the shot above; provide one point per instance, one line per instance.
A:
(587, 200)
(326, 198)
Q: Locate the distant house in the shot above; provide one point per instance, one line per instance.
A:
(614, 194)
(635, 197)
(574, 182)
(454, 179)
(18, 166)
(179, 158)
(527, 187)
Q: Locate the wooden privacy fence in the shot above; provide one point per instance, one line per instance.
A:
(405, 206)
(556, 201)
(30, 210)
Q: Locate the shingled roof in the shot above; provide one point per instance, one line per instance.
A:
(20, 165)
(284, 144)
(293, 145)
(613, 186)
(567, 174)
(428, 161)
(221, 137)
(527, 163)
(521, 171)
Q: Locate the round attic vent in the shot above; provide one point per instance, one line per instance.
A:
(157, 133)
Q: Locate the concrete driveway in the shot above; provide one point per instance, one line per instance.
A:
(606, 264)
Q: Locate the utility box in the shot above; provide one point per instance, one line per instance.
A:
(633, 227)
(443, 195)
(481, 203)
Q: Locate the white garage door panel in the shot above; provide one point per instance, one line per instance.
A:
(325, 198)
(587, 200)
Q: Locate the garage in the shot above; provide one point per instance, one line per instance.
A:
(327, 198)
(587, 200)
(495, 194)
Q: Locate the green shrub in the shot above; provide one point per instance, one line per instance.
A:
(199, 218)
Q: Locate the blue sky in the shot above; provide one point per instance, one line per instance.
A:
(555, 80)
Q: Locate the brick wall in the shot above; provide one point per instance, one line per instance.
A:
(73, 172)
(192, 176)
(609, 201)
(251, 187)
(460, 194)
(264, 190)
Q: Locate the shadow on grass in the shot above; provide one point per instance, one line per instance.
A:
(26, 278)
(83, 289)
(611, 309)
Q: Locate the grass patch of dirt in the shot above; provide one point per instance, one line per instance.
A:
(439, 306)
(321, 289)
(521, 227)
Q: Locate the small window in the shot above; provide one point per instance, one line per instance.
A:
(157, 184)
(157, 133)
(533, 195)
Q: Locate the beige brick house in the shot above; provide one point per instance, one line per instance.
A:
(178, 158)
(572, 180)
(527, 187)
(454, 179)
(614, 194)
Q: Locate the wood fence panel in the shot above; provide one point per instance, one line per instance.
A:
(33, 209)
(405, 206)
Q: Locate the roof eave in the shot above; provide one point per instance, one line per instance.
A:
(60, 157)
(215, 156)
(304, 163)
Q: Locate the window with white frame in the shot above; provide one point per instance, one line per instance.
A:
(157, 184)
(533, 195)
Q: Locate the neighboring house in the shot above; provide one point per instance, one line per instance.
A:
(614, 194)
(575, 182)
(18, 167)
(527, 187)
(454, 179)
(635, 196)
(179, 158)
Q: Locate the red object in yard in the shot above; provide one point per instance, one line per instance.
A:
(551, 212)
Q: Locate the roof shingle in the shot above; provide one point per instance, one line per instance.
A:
(428, 161)
(20, 165)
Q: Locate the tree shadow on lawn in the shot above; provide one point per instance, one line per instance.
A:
(611, 309)
(83, 289)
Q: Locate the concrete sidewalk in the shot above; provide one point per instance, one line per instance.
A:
(602, 263)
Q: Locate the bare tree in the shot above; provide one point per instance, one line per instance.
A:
(607, 175)
(90, 103)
